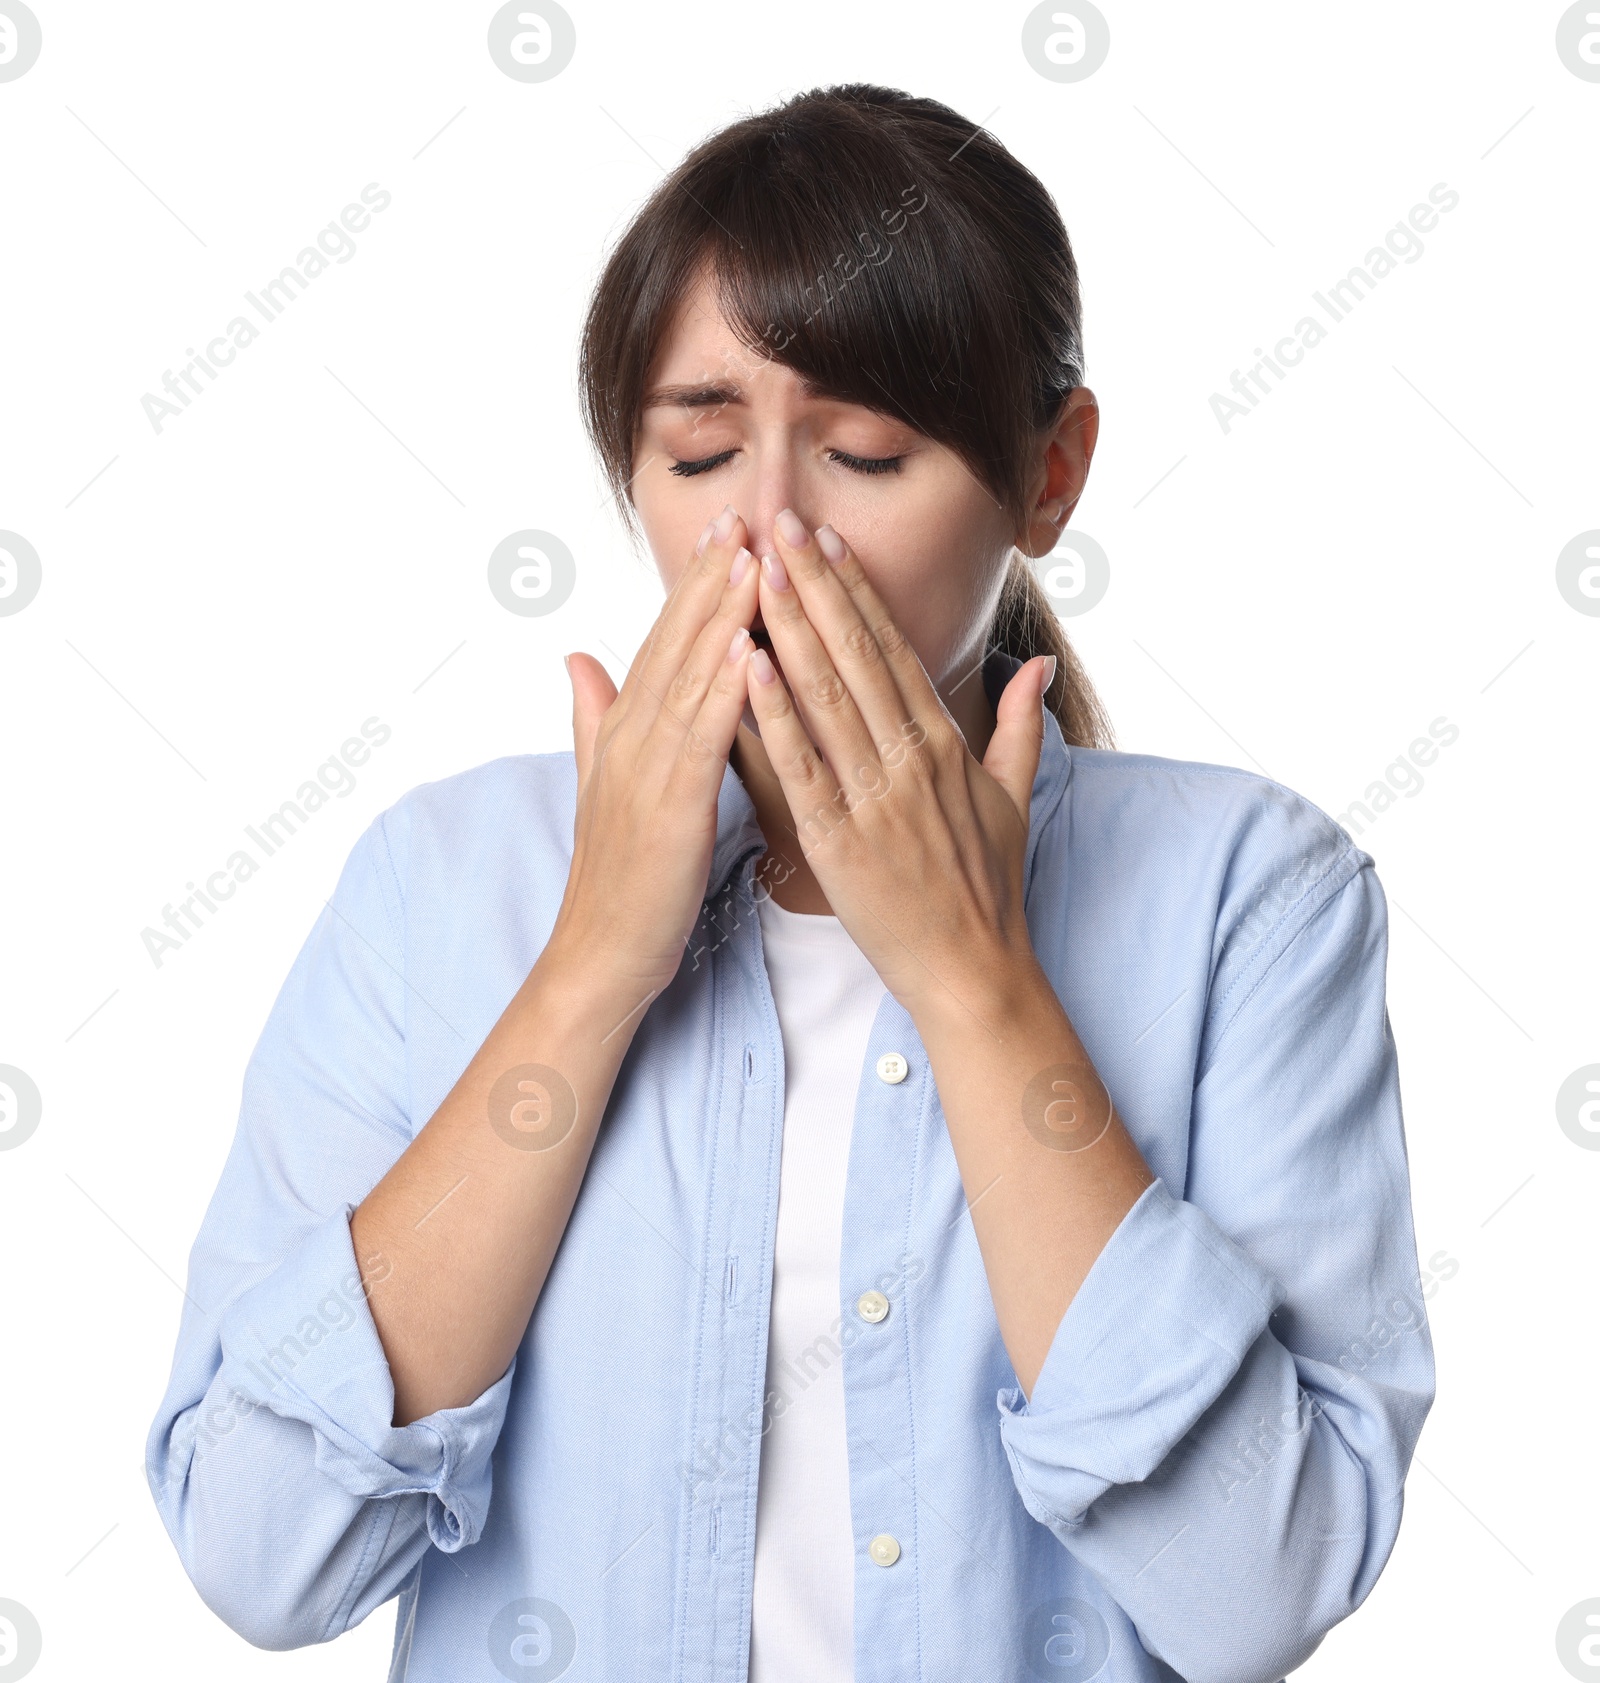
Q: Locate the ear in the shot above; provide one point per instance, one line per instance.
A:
(1060, 470)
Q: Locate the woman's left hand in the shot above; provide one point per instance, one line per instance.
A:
(918, 847)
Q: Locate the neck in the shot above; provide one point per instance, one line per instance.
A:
(783, 871)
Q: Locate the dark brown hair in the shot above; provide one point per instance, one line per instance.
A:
(893, 255)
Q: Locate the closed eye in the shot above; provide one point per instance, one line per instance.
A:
(867, 464)
(856, 464)
(687, 470)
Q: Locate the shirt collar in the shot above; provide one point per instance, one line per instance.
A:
(739, 835)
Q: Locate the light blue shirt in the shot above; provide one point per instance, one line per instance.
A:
(1208, 1474)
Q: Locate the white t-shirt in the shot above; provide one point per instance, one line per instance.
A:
(827, 994)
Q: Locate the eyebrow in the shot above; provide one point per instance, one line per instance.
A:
(714, 395)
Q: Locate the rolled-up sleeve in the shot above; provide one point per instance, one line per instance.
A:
(295, 1503)
(1222, 1426)
(1168, 1276)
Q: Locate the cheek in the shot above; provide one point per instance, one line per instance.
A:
(672, 517)
(931, 564)
(937, 570)
(669, 566)
(663, 530)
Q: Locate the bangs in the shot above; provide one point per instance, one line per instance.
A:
(870, 294)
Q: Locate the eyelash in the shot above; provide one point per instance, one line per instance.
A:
(856, 464)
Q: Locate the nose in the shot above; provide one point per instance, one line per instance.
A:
(774, 486)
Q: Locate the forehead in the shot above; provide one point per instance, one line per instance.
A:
(701, 348)
(697, 333)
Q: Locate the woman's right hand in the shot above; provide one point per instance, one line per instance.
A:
(454, 1307)
(650, 764)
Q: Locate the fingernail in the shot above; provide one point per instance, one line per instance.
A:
(761, 665)
(723, 524)
(773, 568)
(792, 529)
(1049, 673)
(741, 565)
(831, 544)
(566, 661)
(736, 647)
(705, 538)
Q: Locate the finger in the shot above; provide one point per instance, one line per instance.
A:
(828, 710)
(850, 641)
(810, 788)
(703, 753)
(592, 694)
(918, 694)
(1012, 757)
(690, 603)
(686, 690)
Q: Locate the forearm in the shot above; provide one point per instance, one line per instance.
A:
(1048, 1168)
(468, 1219)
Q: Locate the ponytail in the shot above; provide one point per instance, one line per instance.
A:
(1025, 625)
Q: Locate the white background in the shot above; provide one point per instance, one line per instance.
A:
(223, 602)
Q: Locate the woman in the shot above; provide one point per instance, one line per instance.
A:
(844, 1174)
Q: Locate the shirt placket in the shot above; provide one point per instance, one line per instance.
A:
(744, 1107)
(877, 1267)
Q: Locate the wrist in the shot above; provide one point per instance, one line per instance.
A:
(992, 997)
(587, 982)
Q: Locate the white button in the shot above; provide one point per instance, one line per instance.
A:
(872, 1306)
(884, 1550)
(893, 1068)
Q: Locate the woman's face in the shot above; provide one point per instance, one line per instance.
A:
(722, 425)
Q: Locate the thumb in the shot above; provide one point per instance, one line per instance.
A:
(1012, 757)
(592, 696)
